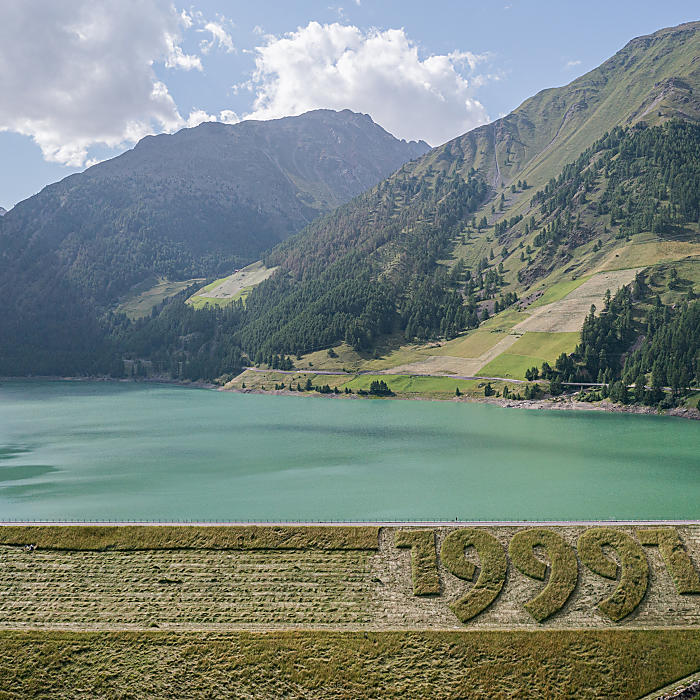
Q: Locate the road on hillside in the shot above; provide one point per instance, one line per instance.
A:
(355, 374)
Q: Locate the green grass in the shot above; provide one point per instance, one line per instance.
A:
(327, 664)
(547, 346)
(510, 366)
(199, 302)
(693, 401)
(531, 350)
(558, 291)
(404, 386)
(645, 254)
(103, 538)
(253, 274)
(144, 297)
(401, 384)
(212, 285)
(474, 344)
(477, 342)
(503, 321)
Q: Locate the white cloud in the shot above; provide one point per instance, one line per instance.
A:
(80, 73)
(186, 19)
(198, 116)
(379, 72)
(228, 116)
(219, 37)
(571, 64)
(177, 58)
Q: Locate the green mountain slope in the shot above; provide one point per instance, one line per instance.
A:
(653, 78)
(198, 203)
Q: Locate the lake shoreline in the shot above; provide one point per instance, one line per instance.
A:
(561, 403)
(554, 404)
(117, 380)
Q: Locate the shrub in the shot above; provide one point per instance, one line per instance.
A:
(556, 388)
(380, 388)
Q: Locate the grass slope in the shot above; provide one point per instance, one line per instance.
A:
(531, 350)
(145, 296)
(228, 289)
(101, 538)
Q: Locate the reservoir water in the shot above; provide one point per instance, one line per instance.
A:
(119, 451)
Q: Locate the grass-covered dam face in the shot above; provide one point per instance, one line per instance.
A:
(339, 577)
(348, 611)
(112, 451)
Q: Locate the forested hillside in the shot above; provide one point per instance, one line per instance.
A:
(368, 269)
(423, 216)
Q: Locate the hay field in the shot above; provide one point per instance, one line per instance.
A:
(492, 348)
(338, 577)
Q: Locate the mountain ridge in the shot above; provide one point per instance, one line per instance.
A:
(510, 147)
(199, 202)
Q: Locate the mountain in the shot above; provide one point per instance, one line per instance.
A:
(3, 211)
(457, 263)
(428, 248)
(652, 79)
(196, 203)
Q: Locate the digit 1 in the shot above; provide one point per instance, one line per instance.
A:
(634, 569)
(491, 577)
(675, 556)
(424, 568)
(563, 569)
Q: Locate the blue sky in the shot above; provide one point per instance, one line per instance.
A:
(81, 80)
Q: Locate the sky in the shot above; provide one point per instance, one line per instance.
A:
(83, 80)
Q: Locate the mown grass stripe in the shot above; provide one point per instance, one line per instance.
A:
(101, 538)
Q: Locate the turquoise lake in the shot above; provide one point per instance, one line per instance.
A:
(120, 451)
